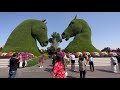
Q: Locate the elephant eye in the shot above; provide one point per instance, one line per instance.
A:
(43, 28)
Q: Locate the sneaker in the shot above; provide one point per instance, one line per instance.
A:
(115, 71)
(42, 66)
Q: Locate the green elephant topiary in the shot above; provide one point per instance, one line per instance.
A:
(82, 40)
(23, 37)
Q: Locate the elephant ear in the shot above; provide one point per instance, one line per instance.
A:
(75, 17)
(44, 20)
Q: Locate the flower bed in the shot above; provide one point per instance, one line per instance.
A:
(5, 57)
(25, 55)
(93, 54)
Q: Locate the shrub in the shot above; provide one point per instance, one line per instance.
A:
(83, 53)
(101, 54)
(109, 54)
(5, 57)
(34, 61)
(79, 53)
(87, 53)
(46, 56)
(92, 54)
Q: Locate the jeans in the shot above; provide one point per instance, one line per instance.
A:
(91, 66)
(12, 74)
(82, 74)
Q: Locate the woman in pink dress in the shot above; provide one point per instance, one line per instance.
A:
(42, 61)
(59, 68)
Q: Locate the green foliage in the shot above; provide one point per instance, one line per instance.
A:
(82, 41)
(42, 51)
(5, 57)
(46, 56)
(23, 37)
(109, 55)
(105, 49)
(55, 40)
(51, 50)
(1, 49)
(34, 61)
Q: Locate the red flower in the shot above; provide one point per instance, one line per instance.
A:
(76, 55)
(67, 55)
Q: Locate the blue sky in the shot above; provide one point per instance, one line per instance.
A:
(105, 26)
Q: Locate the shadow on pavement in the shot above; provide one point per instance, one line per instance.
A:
(73, 71)
(70, 77)
(51, 65)
(48, 69)
(104, 70)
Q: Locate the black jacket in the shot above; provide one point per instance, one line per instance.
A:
(13, 64)
(118, 59)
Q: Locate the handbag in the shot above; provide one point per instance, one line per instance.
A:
(66, 74)
(114, 63)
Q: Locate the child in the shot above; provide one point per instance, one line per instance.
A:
(41, 61)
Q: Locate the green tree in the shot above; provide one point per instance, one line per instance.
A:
(1, 49)
(107, 49)
(55, 40)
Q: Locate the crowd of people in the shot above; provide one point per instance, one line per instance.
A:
(83, 61)
(60, 64)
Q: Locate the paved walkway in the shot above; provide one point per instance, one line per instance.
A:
(36, 72)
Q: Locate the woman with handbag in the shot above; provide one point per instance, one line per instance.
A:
(113, 63)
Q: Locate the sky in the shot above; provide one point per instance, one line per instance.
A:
(105, 26)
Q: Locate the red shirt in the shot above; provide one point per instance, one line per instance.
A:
(58, 70)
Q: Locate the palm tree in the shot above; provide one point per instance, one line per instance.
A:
(55, 40)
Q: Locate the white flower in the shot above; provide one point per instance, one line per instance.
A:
(3, 54)
(79, 53)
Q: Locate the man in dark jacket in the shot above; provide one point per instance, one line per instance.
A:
(13, 66)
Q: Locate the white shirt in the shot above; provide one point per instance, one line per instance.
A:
(113, 60)
(91, 59)
(72, 57)
(65, 57)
